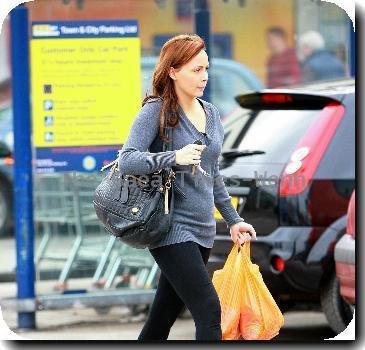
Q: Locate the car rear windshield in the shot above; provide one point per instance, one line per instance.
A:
(273, 132)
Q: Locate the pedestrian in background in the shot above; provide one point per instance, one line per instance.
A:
(179, 79)
(282, 67)
(317, 62)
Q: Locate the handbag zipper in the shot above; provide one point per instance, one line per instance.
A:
(167, 188)
(138, 179)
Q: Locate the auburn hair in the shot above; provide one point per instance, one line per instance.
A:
(176, 52)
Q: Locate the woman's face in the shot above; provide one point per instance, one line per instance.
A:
(192, 77)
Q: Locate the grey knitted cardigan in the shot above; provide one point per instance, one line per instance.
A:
(193, 217)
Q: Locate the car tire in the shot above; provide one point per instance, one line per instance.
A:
(335, 308)
(5, 209)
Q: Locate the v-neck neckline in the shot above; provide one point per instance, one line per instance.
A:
(207, 119)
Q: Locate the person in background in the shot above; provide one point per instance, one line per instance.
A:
(282, 66)
(317, 63)
(341, 52)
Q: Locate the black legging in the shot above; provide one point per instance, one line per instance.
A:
(184, 280)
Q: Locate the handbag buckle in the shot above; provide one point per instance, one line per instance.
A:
(109, 165)
(113, 169)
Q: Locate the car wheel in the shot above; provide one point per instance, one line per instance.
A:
(5, 209)
(337, 311)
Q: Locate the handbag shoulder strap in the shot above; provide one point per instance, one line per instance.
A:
(168, 135)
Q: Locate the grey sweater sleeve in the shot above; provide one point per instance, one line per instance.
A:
(222, 199)
(134, 157)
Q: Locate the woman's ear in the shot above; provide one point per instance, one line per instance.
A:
(172, 73)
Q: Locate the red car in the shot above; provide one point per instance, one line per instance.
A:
(345, 257)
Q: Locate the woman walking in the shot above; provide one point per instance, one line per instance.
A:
(179, 79)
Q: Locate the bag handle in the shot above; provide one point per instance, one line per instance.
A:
(245, 249)
(168, 135)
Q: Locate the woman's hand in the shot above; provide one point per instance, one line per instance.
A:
(190, 154)
(241, 232)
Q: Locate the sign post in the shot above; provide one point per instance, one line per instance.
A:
(23, 191)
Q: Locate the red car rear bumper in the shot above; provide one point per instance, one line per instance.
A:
(345, 267)
(346, 276)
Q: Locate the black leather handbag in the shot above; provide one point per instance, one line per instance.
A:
(137, 209)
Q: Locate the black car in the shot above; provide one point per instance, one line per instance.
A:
(288, 161)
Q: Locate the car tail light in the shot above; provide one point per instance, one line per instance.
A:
(351, 216)
(304, 161)
(277, 98)
(278, 263)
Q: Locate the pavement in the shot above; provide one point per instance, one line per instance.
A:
(86, 324)
(119, 323)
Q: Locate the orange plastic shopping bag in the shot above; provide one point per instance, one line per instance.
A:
(228, 284)
(248, 310)
(260, 318)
